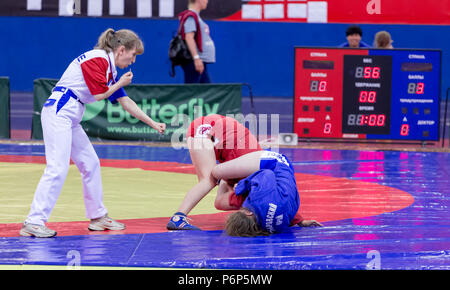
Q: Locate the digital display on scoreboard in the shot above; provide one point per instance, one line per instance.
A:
(367, 93)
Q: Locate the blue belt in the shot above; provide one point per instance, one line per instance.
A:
(67, 91)
(65, 97)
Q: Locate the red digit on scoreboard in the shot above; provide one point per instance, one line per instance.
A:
(372, 120)
(404, 130)
(363, 96)
(381, 120)
(367, 72)
(327, 128)
(323, 86)
(420, 88)
(376, 73)
(372, 97)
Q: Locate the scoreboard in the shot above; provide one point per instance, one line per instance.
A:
(378, 94)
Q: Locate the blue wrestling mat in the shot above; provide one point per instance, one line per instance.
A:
(408, 231)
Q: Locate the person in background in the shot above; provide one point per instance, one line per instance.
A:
(383, 40)
(198, 40)
(354, 35)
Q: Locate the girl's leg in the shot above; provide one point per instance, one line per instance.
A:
(86, 159)
(204, 159)
(57, 135)
(238, 168)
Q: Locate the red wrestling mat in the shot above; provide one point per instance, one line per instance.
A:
(207, 222)
(322, 198)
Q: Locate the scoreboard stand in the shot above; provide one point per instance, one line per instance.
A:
(387, 95)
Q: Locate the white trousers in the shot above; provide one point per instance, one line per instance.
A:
(65, 139)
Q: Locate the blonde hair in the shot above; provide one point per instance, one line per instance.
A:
(110, 40)
(240, 225)
(382, 39)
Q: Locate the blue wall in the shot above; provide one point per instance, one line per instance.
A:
(260, 54)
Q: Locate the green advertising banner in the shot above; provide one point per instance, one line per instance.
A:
(5, 131)
(175, 105)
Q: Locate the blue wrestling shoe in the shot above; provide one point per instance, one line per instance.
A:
(179, 221)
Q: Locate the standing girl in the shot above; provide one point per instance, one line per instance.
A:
(90, 77)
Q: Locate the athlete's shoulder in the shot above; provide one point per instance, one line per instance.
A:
(97, 54)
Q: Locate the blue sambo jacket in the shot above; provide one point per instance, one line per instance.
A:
(272, 195)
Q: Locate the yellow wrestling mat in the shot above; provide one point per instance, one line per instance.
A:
(127, 193)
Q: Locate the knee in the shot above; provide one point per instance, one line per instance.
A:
(56, 171)
(218, 204)
(93, 164)
(87, 167)
(216, 172)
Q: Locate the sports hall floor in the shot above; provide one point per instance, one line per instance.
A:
(382, 208)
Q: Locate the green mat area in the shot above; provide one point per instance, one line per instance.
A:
(127, 193)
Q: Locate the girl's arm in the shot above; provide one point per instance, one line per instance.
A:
(131, 107)
(124, 80)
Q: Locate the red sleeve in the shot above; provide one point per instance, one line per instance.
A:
(297, 219)
(94, 73)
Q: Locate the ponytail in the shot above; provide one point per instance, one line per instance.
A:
(109, 40)
(105, 41)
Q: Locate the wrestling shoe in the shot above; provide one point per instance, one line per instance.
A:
(38, 231)
(179, 221)
(105, 223)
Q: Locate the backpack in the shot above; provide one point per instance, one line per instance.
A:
(178, 52)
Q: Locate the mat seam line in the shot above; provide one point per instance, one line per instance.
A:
(137, 247)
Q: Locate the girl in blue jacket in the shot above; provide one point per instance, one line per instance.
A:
(267, 199)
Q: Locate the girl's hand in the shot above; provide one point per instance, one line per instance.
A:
(126, 79)
(310, 223)
(160, 127)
